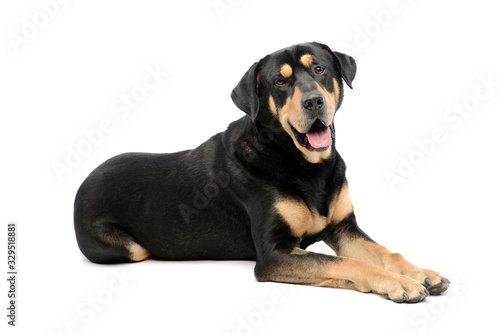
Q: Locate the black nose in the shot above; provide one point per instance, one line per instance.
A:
(313, 101)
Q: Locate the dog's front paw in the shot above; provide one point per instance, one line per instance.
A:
(399, 289)
(432, 280)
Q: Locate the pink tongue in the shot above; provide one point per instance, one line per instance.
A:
(319, 136)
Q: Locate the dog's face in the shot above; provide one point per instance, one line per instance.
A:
(301, 87)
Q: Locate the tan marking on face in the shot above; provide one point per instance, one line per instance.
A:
(336, 92)
(272, 106)
(306, 60)
(342, 205)
(286, 71)
(300, 218)
(137, 252)
(313, 156)
(330, 101)
(291, 113)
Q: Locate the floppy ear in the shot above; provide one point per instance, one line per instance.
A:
(244, 95)
(345, 63)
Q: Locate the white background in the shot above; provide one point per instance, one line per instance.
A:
(414, 64)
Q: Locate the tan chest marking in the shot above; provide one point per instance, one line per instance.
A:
(303, 220)
(342, 205)
(300, 218)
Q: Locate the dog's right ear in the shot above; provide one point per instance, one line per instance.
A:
(244, 95)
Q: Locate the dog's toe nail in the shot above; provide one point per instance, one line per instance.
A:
(434, 288)
(427, 281)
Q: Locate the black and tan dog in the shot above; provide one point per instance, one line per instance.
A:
(265, 189)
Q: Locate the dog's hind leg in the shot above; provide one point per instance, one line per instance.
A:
(107, 242)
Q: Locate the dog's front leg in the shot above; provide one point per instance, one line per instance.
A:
(280, 259)
(303, 267)
(348, 240)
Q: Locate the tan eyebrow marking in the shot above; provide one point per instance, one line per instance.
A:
(306, 60)
(286, 71)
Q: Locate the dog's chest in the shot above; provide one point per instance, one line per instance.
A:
(302, 219)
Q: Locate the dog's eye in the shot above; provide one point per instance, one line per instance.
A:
(319, 70)
(281, 82)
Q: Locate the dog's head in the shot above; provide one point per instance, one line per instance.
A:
(301, 87)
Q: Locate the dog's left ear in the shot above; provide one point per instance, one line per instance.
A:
(345, 63)
(244, 95)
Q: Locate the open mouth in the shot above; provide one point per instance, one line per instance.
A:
(318, 138)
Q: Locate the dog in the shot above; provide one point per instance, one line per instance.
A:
(265, 189)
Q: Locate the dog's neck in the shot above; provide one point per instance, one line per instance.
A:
(261, 147)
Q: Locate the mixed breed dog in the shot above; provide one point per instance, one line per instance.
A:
(284, 189)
